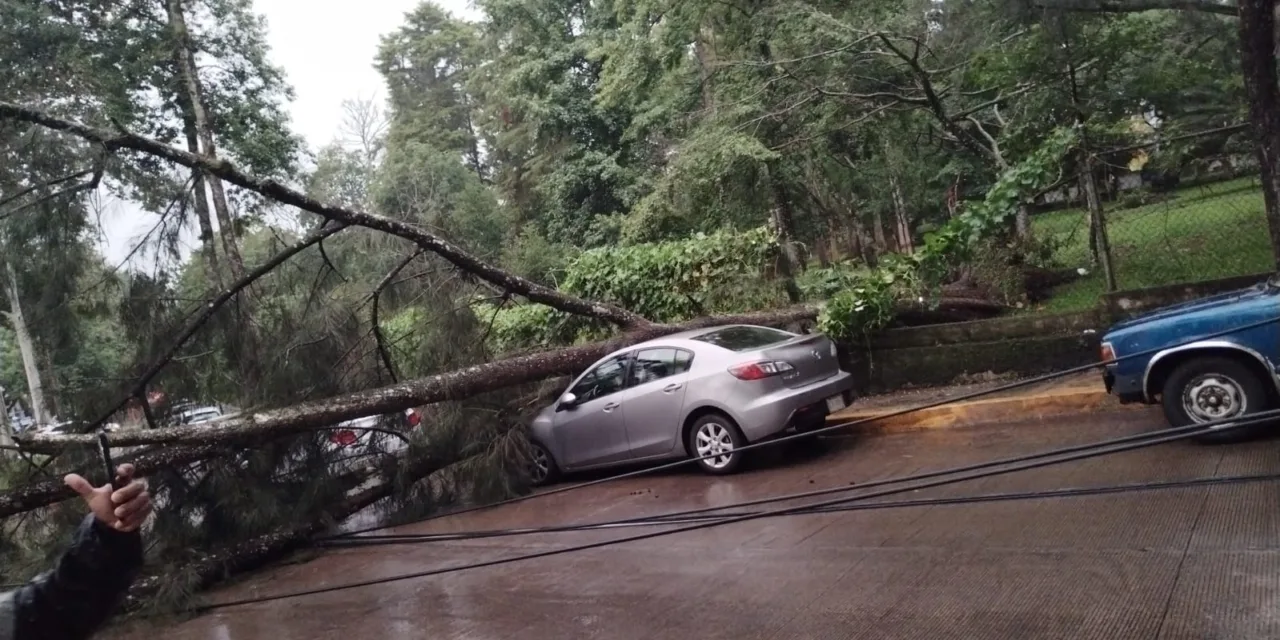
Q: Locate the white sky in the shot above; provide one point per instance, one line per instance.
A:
(326, 48)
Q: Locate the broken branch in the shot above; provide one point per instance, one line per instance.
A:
(274, 190)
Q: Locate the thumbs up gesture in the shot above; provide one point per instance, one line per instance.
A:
(123, 509)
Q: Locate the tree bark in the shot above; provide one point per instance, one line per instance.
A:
(6, 427)
(47, 492)
(1022, 222)
(784, 226)
(200, 200)
(26, 349)
(221, 168)
(902, 224)
(204, 129)
(1097, 221)
(454, 385)
(1258, 59)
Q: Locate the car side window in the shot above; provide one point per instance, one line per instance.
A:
(684, 360)
(659, 363)
(603, 380)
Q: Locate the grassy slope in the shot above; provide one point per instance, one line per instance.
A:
(1202, 232)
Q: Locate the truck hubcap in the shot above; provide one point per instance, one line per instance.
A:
(1213, 396)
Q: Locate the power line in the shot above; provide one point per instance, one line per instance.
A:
(1173, 435)
(843, 425)
(373, 541)
(844, 489)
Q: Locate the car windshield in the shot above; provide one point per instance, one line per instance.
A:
(744, 338)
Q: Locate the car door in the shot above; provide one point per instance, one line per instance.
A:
(655, 399)
(593, 431)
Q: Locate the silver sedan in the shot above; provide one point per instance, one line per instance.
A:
(698, 393)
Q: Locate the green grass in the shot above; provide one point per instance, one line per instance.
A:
(1199, 233)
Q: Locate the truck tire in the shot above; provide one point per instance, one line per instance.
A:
(1213, 388)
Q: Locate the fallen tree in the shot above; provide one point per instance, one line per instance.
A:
(214, 439)
(273, 190)
(454, 385)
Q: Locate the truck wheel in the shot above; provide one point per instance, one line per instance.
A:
(1210, 389)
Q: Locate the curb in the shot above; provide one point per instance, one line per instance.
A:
(978, 412)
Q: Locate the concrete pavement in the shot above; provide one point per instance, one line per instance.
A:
(1190, 563)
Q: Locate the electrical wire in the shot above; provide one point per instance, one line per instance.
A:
(1223, 425)
(984, 498)
(844, 489)
(372, 541)
(808, 434)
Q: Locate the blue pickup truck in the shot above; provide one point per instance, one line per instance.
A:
(1196, 375)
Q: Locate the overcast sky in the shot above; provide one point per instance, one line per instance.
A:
(326, 48)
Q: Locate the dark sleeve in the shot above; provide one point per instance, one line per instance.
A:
(74, 599)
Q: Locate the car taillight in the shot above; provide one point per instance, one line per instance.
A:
(343, 438)
(1108, 352)
(759, 370)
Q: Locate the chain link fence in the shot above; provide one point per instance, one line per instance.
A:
(1159, 233)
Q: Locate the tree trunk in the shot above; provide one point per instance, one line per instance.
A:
(6, 428)
(204, 130)
(27, 349)
(784, 227)
(877, 232)
(902, 223)
(1097, 221)
(243, 344)
(200, 197)
(1258, 59)
(1022, 222)
(704, 50)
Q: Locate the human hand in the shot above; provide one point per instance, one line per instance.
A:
(123, 509)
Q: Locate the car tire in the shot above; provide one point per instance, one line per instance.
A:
(543, 469)
(1214, 388)
(713, 433)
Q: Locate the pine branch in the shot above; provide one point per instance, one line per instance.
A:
(274, 190)
(140, 387)
(454, 385)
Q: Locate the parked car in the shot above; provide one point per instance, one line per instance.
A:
(197, 415)
(354, 438)
(1205, 379)
(696, 393)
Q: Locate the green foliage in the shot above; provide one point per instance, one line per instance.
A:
(864, 307)
(856, 312)
(663, 281)
(674, 280)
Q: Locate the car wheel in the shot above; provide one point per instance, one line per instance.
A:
(714, 434)
(542, 466)
(1210, 389)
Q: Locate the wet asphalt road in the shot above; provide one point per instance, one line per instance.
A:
(1199, 562)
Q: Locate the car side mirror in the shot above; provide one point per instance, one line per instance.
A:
(567, 401)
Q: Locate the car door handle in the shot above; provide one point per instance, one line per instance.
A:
(610, 407)
(671, 387)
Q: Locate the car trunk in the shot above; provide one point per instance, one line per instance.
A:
(811, 356)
